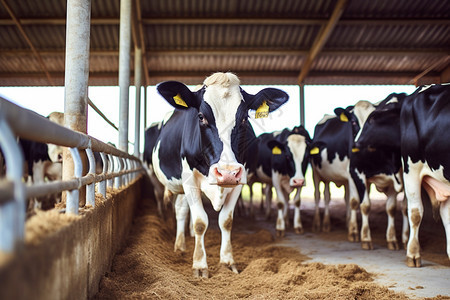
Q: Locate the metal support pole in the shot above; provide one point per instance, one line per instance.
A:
(90, 188)
(138, 84)
(117, 169)
(124, 72)
(110, 170)
(145, 106)
(77, 73)
(73, 196)
(302, 104)
(102, 184)
(12, 213)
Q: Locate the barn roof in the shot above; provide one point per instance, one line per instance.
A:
(263, 41)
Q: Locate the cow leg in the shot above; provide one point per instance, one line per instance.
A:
(415, 213)
(366, 238)
(316, 220)
(326, 216)
(181, 212)
(445, 216)
(251, 210)
(391, 208)
(347, 205)
(353, 222)
(200, 221)
(261, 204)
(405, 226)
(281, 206)
(268, 195)
(297, 219)
(286, 207)
(226, 224)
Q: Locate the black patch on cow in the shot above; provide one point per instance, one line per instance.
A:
(150, 137)
(424, 125)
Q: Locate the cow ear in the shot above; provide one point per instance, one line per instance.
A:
(178, 95)
(276, 147)
(342, 114)
(270, 97)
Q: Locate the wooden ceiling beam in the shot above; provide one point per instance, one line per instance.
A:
(321, 39)
(234, 21)
(237, 51)
(443, 62)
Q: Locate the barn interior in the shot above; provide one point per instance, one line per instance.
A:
(285, 42)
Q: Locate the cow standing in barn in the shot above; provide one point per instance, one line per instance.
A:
(330, 159)
(380, 165)
(202, 148)
(422, 137)
(282, 160)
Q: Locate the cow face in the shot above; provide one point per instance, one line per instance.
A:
(289, 155)
(216, 124)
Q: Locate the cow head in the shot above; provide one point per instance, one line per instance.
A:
(381, 130)
(289, 152)
(217, 123)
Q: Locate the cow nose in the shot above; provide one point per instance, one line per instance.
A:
(228, 176)
(296, 182)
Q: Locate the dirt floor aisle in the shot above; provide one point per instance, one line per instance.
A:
(147, 268)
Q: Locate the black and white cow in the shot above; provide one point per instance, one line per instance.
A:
(201, 149)
(282, 163)
(425, 144)
(150, 137)
(330, 160)
(376, 159)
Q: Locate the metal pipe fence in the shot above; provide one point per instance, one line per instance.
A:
(119, 168)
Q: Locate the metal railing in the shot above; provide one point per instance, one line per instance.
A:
(119, 168)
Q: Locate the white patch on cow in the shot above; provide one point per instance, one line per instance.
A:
(263, 176)
(438, 183)
(336, 171)
(173, 184)
(297, 145)
(362, 110)
(281, 181)
(166, 118)
(326, 118)
(224, 97)
(392, 100)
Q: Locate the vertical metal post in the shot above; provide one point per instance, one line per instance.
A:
(90, 188)
(302, 104)
(124, 72)
(102, 184)
(117, 169)
(110, 170)
(73, 196)
(145, 105)
(77, 73)
(12, 213)
(138, 84)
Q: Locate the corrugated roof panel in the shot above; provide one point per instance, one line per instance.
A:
(105, 37)
(41, 39)
(389, 37)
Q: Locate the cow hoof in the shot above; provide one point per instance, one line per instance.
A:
(393, 245)
(367, 245)
(280, 233)
(326, 228)
(299, 230)
(316, 228)
(353, 237)
(234, 269)
(413, 262)
(201, 273)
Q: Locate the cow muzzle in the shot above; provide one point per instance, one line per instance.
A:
(227, 175)
(297, 182)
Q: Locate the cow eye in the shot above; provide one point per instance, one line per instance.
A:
(202, 119)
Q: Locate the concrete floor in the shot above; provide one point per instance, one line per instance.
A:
(388, 266)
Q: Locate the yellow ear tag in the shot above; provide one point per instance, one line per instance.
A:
(276, 150)
(179, 101)
(314, 151)
(262, 111)
(343, 117)
(354, 150)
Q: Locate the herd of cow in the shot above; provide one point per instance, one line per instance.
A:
(207, 147)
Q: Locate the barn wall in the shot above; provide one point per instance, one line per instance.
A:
(69, 263)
